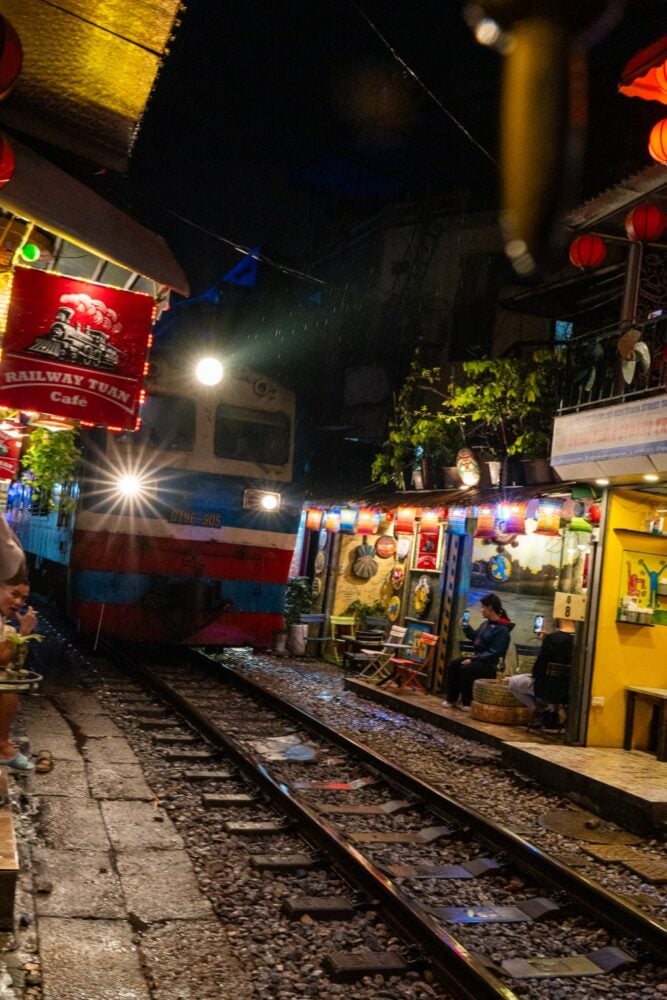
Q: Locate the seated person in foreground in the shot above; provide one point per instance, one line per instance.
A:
(529, 689)
(491, 641)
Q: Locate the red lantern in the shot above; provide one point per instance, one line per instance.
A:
(6, 161)
(405, 521)
(366, 521)
(594, 513)
(11, 56)
(645, 223)
(587, 251)
(430, 521)
(314, 518)
(657, 141)
(645, 76)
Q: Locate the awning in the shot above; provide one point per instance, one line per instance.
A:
(88, 72)
(645, 75)
(444, 498)
(42, 193)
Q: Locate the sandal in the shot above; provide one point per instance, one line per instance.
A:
(44, 761)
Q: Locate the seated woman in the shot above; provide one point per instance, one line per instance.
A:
(491, 641)
(530, 689)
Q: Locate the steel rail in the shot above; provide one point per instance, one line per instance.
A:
(607, 908)
(457, 967)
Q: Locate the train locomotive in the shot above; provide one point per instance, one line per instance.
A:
(181, 531)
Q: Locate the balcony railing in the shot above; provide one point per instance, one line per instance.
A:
(598, 376)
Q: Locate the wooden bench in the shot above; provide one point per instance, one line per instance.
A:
(655, 697)
(9, 859)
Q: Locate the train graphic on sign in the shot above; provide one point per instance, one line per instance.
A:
(81, 345)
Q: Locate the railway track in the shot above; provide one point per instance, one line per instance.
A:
(410, 848)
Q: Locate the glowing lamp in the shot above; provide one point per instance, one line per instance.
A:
(645, 223)
(430, 521)
(332, 521)
(30, 252)
(129, 486)
(645, 75)
(657, 141)
(514, 519)
(209, 371)
(270, 501)
(456, 520)
(548, 519)
(314, 518)
(405, 521)
(579, 523)
(348, 520)
(366, 521)
(486, 522)
(587, 251)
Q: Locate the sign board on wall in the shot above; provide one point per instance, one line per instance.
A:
(74, 348)
(612, 433)
(572, 606)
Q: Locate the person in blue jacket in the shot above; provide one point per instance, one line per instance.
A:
(491, 642)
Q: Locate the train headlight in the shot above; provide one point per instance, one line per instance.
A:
(209, 371)
(262, 500)
(129, 486)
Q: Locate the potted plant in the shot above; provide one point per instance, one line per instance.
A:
(362, 612)
(533, 448)
(298, 601)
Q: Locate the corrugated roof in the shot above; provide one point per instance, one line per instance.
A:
(441, 498)
(88, 70)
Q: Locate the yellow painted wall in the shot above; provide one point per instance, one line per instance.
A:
(625, 653)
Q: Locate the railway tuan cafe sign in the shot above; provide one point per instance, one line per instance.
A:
(74, 348)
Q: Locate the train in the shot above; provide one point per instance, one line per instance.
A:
(183, 530)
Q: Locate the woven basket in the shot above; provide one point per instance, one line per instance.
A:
(494, 693)
(502, 715)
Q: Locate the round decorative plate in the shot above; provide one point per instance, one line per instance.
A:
(319, 562)
(385, 546)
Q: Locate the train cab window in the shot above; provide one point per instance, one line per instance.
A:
(167, 422)
(251, 435)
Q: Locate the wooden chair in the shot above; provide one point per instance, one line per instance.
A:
(409, 671)
(378, 666)
(342, 629)
(316, 624)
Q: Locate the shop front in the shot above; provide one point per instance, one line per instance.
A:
(425, 566)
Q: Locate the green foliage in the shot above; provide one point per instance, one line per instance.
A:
(362, 611)
(50, 458)
(298, 599)
(416, 424)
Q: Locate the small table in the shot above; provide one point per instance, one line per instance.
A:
(653, 697)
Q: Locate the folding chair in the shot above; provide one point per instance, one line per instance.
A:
(337, 638)
(407, 671)
(365, 642)
(318, 639)
(378, 666)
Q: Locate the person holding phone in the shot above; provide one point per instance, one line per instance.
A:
(491, 641)
(557, 647)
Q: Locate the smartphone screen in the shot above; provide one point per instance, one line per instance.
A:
(466, 617)
(538, 624)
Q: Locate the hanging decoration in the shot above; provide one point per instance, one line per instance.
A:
(394, 609)
(405, 520)
(403, 546)
(398, 576)
(512, 518)
(421, 597)
(366, 521)
(548, 518)
(645, 75)
(11, 56)
(348, 520)
(500, 567)
(594, 513)
(657, 141)
(467, 467)
(486, 522)
(456, 521)
(587, 251)
(364, 565)
(314, 518)
(645, 223)
(430, 521)
(332, 521)
(385, 546)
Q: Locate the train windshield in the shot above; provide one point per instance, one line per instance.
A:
(167, 422)
(252, 435)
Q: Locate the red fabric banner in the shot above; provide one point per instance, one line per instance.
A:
(74, 348)
(10, 451)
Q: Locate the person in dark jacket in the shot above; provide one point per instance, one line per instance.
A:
(491, 641)
(557, 647)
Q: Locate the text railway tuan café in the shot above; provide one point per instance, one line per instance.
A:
(422, 559)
